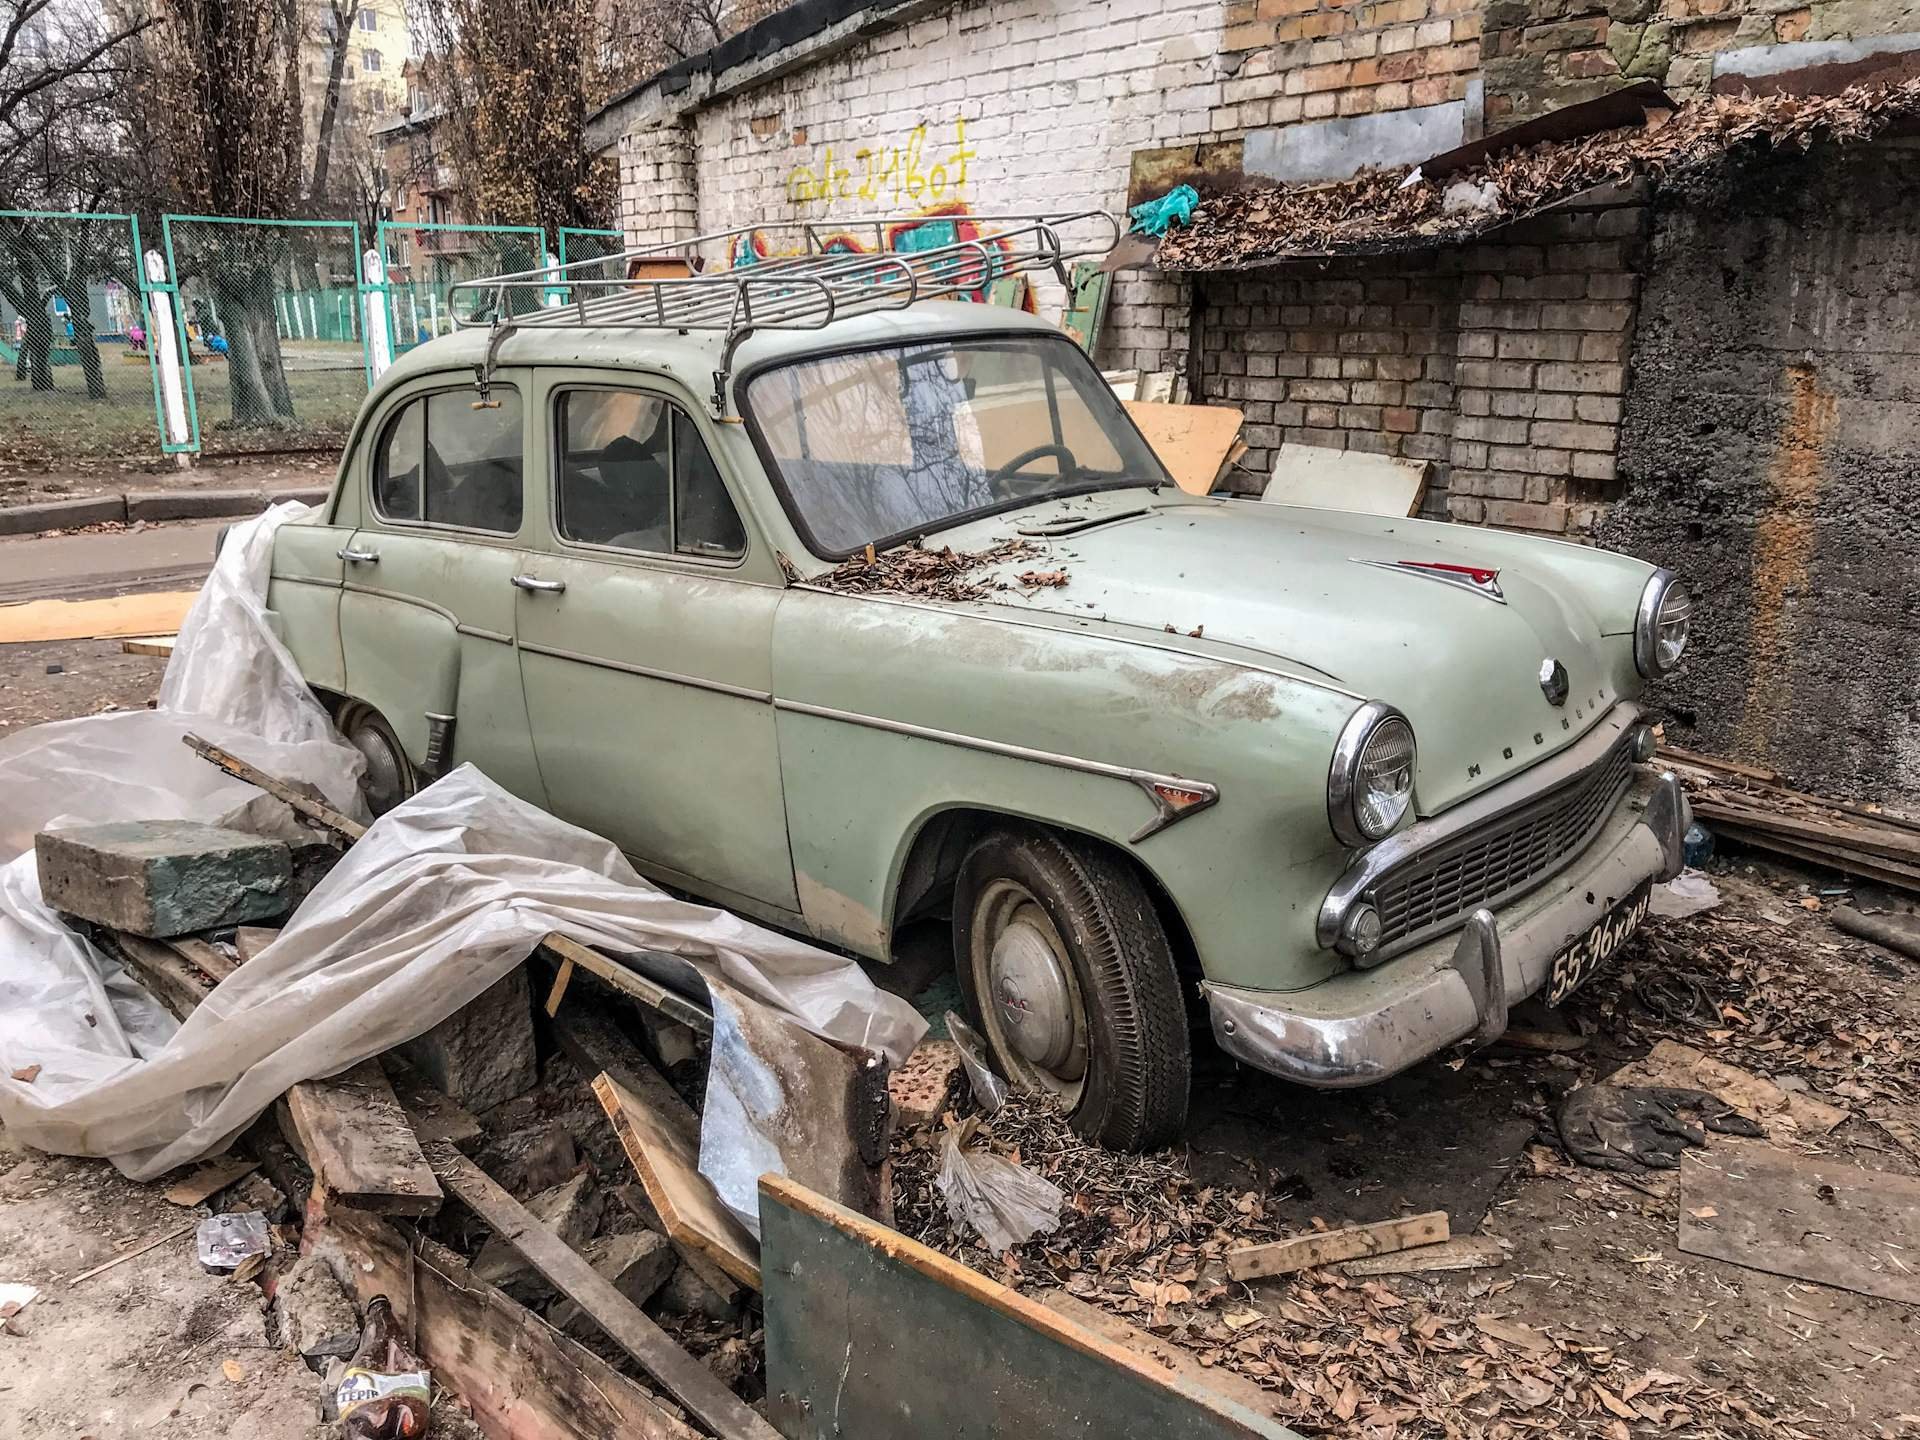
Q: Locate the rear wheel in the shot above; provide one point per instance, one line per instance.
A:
(1065, 967)
(390, 775)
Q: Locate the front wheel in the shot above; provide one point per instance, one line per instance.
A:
(1065, 967)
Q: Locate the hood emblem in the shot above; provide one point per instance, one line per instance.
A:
(1477, 578)
(1553, 681)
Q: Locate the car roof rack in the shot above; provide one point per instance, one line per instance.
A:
(825, 275)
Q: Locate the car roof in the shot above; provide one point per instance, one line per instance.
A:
(692, 355)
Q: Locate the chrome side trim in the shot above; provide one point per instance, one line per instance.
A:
(1167, 814)
(304, 580)
(692, 682)
(1371, 865)
(480, 634)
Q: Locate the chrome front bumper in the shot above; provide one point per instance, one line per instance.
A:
(1366, 1025)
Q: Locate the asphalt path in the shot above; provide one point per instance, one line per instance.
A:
(107, 562)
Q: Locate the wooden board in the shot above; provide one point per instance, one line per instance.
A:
(1781, 1113)
(108, 619)
(1885, 841)
(524, 1380)
(1192, 441)
(1174, 1359)
(361, 1147)
(1810, 1217)
(667, 1157)
(683, 1377)
(169, 978)
(435, 1115)
(1463, 1252)
(1832, 857)
(161, 645)
(209, 1178)
(860, 1319)
(1325, 479)
(1085, 313)
(1303, 1252)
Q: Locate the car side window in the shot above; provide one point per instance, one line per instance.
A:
(635, 474)
(447, 462)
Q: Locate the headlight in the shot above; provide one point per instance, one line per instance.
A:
(1370, 784)
(1660, 631)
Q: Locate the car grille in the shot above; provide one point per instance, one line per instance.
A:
(1437, 888)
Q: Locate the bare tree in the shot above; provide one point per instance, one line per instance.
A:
(220, 113)
(342, 14)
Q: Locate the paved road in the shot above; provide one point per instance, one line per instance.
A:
(106, 562)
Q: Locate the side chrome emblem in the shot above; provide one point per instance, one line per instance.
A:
(1477, 578)
(1553, 681)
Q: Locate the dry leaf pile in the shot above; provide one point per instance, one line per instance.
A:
(929, 574)
(1334, 1356)
(1375, 210)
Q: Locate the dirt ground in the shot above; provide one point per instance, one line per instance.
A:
(1764, 982)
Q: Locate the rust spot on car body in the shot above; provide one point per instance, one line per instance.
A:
(1783, 541)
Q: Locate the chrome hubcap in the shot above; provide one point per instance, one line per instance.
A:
(383, 783)
(1030, 999)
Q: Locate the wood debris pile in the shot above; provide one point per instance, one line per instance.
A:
(1331, 1355)
(928, 574)
(1377, 211)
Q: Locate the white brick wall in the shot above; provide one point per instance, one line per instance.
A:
(1055, 95)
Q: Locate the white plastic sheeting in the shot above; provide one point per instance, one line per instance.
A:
(441, 898)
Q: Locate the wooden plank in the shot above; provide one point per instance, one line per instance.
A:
(1727, 767)
(1192, 441)
(1319, 478)
(1868, 839)
(209, 1178)
(203, 954)
(161, 645)
(523, 1379)
(107, 619)
(318, 811)
(1463, 1252)
(1303, 1252)
(171, 980)
(631, 983)
(679, 1373)
(435, 1115)
(1811, 1217)
(1866, 867)
(1899, 933)
(667, 1158)
(860, 1320)
(358, 1141)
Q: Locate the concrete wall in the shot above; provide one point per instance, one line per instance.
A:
(1770, 451)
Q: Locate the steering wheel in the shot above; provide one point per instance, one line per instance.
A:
(997, 482)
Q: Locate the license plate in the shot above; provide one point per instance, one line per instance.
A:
(1587, 952)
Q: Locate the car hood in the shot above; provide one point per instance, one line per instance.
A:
(1328, 596)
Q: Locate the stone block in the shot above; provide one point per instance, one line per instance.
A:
(635, 1264)
(193, 504)
(62, 514)
(163, 878)
(572, 1211)
(482, 1055)
(314, 1314)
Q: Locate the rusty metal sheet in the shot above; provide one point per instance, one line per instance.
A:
(1210, 168)
(1625, 106)
(872, 1335)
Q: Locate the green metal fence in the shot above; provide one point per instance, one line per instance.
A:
(269, 323)
(77, 377)
(422, 261)
(579, 245)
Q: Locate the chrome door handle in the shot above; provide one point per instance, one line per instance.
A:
(545, 587)
(359, 557)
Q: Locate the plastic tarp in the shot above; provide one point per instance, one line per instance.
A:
(442, 897)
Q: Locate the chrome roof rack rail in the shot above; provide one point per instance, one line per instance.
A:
(829, 273)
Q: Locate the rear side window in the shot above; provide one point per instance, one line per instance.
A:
(634, 474)
(445, 461)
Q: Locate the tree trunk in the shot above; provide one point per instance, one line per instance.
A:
(39, 346)
(79, 300)
(345, 13)
(256, 374)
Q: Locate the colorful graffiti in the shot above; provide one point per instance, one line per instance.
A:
(931, 229)
(898, 175)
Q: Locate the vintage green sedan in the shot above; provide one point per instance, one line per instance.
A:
(1339, 788)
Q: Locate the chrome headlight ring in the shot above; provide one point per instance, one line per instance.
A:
(1660, 625)
(1374, 724)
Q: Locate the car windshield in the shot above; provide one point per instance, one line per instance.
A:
(878, 445)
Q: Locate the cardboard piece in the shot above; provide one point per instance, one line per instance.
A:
(1194, 442)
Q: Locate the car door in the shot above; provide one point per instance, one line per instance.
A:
(644, 642)
(304, 595)
(427, 599)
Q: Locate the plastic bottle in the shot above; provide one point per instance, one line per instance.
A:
(1699, 844)
(386, 1394)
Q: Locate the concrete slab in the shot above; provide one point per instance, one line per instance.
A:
(162, 878)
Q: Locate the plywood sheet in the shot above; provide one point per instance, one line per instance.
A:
(668, 1161)
(1810, 1217)
(1192, 441)
(108, 619)
(1324, 479)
